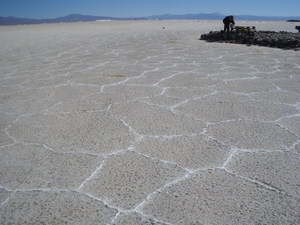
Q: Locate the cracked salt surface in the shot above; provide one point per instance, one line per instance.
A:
(123, 122)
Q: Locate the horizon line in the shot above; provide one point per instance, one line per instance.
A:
(156, 15)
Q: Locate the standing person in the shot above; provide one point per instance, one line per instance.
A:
(227, 21)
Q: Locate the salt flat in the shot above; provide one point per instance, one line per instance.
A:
(140, 122)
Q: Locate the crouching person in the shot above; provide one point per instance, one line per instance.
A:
(228, 23)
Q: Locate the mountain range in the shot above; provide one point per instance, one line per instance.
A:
(85, 18)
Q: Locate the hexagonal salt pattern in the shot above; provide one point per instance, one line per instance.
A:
(277, 96)
(218, 197)
(281, 169)
(18, 161)
(190, 152)
(291, 85)
(216, 110)
(246, 86)
(62, 171)
(94, 133)
(253, 135)
(123, 122)
(37, 207)
(126, 179)
(155, 120)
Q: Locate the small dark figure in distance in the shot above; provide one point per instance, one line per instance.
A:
(228, 21)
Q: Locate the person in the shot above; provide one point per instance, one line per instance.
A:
(228, 20)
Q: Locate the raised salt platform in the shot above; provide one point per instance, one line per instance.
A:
(249, 35)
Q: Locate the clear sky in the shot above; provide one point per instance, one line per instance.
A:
(39, 9)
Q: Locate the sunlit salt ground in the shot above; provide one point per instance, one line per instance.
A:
(140, 122)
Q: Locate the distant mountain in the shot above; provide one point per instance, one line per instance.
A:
(14, 21)
(199, 16)
(270, 18)
(79, 17)
(85, 18)
(217, 16)
(70, 18)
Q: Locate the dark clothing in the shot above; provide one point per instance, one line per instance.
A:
(228, 20)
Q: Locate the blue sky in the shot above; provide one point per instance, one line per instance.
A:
(39, 9)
